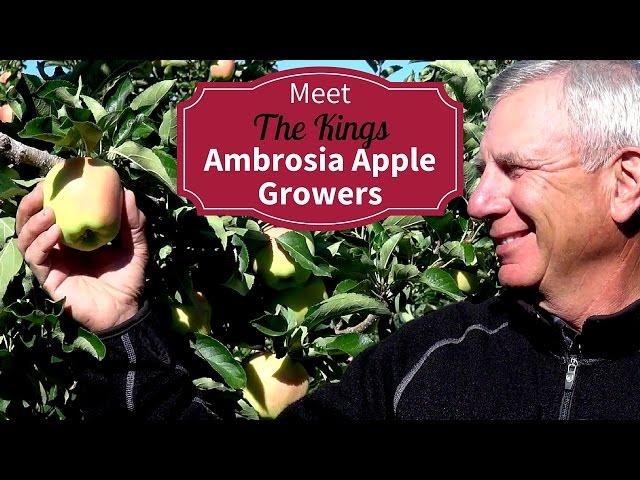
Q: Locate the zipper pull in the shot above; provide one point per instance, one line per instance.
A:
(571, 373)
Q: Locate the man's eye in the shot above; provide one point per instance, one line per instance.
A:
(513, 171)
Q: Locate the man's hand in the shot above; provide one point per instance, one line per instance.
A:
(102, 287)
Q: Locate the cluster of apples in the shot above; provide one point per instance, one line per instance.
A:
(294, 286)
(274, 383)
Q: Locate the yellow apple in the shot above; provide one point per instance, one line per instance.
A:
(194, 317)
(276, 267)
(86, 197)
(299, 299)
(222, 70)
(274, 383)
(467, 282)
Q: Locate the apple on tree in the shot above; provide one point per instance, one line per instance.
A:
(6, 113)
(222, 70)
(467, 282)
(274, 383)
(192, 317)
(299, 299)
(4, 77)
(276, 267)
(86, 197)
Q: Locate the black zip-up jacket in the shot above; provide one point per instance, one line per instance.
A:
(500, 359)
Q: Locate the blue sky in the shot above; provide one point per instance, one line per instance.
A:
(398, 76)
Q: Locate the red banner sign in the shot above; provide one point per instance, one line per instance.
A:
(320, 148)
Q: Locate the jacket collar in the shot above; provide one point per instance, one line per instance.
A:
(610, 335)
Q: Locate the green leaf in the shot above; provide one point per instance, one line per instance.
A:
(168, 162)
(10, 263)
(387, 249)
(66, 97)
(334, 247)
(352, 286)
(462, 250)
(296, 246)
(46, 129)
(344, 304)
(373, 64)
(440, 281)
(127, 121)
(473, 85)
(220, 359)
(484, 242)
(242, 254)
(27, 280)
(9, 189)
(206, 383)
(33, 81)
(345, 286)
(17, 108)
(28, 183)
(48, 89)
(473, 131)
(402, 273)
(390, 70)
(145, 159)
(273, 325)
(169, 127)
(7, 228)
(216, 223)
(118, 99)
(150, 98)
(471, 177)
(350, 343)
(97, 110)
(240, 282)
(25, 311)
(89, 133)
(87, 342)
(440, 223)
(142, 131)
(404, 221)
(164, 252)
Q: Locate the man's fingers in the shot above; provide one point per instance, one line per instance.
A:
(38, 252)
(133, 221)
(34, 227)
(29, 206)
(135, 217)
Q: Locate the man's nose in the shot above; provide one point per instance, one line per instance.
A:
(490, 198)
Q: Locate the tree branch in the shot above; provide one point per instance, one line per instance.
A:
(20, 153)
(359, 328)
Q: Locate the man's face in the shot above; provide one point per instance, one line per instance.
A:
(546, 214)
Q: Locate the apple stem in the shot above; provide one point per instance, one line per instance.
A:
(20, 153)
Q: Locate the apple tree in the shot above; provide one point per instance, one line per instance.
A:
(234, 288)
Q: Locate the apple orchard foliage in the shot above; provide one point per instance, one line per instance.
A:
(378, 277)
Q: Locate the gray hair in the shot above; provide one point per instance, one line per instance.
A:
(602, 98)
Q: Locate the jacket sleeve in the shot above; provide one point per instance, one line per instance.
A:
(146, 375)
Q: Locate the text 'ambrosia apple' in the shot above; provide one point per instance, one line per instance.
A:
(270, 193)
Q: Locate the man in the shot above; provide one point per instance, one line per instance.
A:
(560, 191)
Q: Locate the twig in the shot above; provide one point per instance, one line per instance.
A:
(361, 327)
(20, 153)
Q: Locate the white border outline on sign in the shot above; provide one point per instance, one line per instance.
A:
(303, 74)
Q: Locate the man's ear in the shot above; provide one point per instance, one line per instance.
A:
(626, 193)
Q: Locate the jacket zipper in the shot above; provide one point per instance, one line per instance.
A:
(569, 383)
